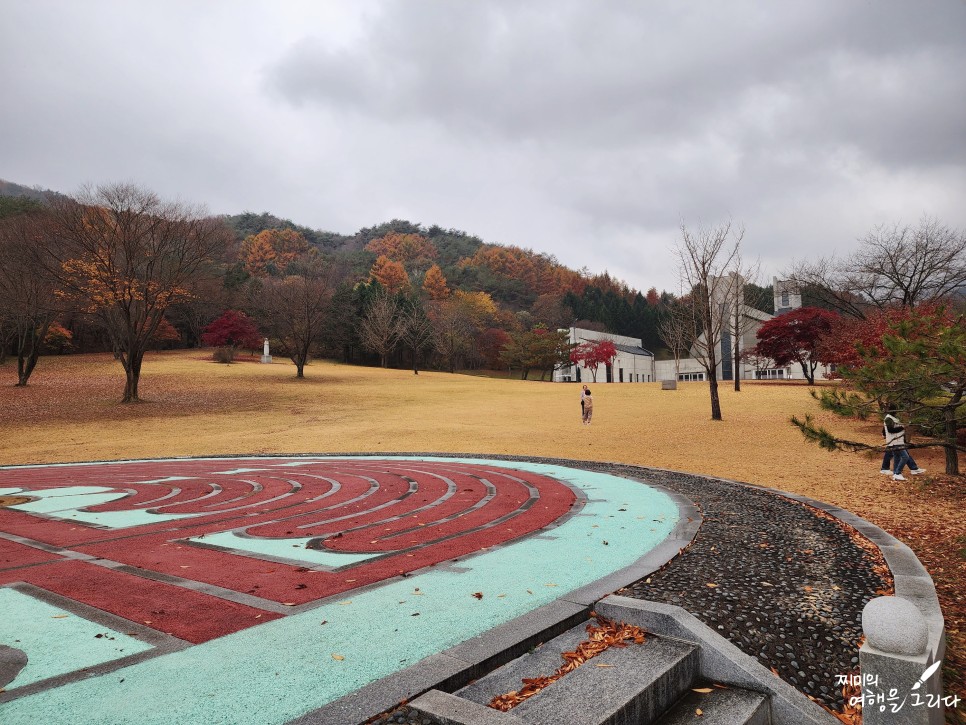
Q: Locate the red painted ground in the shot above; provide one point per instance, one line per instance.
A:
(417, 514)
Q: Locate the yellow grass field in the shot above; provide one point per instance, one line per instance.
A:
(69, 412)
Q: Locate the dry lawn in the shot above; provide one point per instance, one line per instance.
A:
(69, 412)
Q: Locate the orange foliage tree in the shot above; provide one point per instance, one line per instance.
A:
(541, 273)
(434, 284)
(415, 252)
(391, 275)
(124, 256)
(273, 248)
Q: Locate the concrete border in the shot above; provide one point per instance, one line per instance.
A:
(719, 660)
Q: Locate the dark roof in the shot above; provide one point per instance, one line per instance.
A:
(633, 350)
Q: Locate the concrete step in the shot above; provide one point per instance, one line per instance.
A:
(622, 686)
(721, 706)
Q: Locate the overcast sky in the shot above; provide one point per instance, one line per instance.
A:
(587, 130)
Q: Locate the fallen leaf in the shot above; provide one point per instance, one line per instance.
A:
(699, 712)
(711, 585)
(59, 616)
(338, 658)
(702, 690)
(603, 665)
(478, 595)
(324, 621)
(342, 604)
(288, 604)
(551, 584)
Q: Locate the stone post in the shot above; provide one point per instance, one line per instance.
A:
(266, 358)
(893, 661)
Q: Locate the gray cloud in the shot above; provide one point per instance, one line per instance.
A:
(585, 130)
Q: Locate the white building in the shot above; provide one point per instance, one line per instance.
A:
(633, 363)
(787, 298)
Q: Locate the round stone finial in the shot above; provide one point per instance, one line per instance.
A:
(896, 626)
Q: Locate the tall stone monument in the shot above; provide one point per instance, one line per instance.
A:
(266, 358)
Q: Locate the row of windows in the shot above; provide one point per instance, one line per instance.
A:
(690, 377)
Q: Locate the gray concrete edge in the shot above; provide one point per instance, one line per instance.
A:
(719, 660)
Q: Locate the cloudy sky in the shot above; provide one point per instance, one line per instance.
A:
(588, 130)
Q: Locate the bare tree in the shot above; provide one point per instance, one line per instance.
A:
(452, 331)
(676, 330)
(126, 256)
(28, 291)
(295, 309)
(740, 323)
(417, 329)
(894, 265)
(705, 258)
(382, 327)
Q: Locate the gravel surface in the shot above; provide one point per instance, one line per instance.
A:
(789, 584)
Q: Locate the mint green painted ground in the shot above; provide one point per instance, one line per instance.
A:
(68, 503)
(282, 669)
(290, 548)
(56, 642)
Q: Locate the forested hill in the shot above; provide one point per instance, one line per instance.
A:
(36, 193)
(531, 287)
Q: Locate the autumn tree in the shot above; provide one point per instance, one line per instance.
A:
(919, 366)
(228, 332)
(434, 284)
(705, 257)
(549, 310)
(29, 300)
(794, 337)
(295, 310)
(125, 256)
(537, 349)
(391, 275)
(413, 251)
(259, 256)
(592, 354)
(273, 250)
(166, 335)
(458, 322)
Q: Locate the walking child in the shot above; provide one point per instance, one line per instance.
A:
(588, 405)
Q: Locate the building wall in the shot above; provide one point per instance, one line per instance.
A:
(636, 368)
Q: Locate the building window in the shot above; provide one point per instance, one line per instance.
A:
(784, 299)
(690, 377)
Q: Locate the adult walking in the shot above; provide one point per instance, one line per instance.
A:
(896, 451)
(583, 397)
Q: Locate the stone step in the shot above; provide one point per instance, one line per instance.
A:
(622, 686)
(721, 706)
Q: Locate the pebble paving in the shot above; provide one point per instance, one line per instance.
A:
(789, 584)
